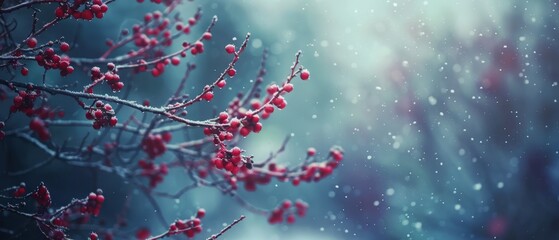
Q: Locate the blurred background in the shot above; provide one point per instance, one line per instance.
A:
(447, 112)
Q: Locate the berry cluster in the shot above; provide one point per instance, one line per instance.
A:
(156, 31)
(189, 227)
(219, 134)
(48, 59)
(42, 196)
(231, 160)
(286, 208)
(102, 115)
(46, 112)
(252, 178)
(198, 48)
(208, 93)
(154, 172)
(62, 221)
(79, 211)
(40, 128)
(277, 101)
(93, 204)
(110, 76)
(25, 100)
(317, 171)
(20, 190)
(95, 9)
(72, 215)
(250, 119)
(250, 123)
(154, 144)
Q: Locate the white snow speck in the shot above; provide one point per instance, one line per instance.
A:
(477, 186)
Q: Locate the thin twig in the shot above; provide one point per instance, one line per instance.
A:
(215, 236)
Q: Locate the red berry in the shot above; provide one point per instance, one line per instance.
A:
(59, 12)
(89, 115)
(118, 86)
(286, 204)
(208, 96)
(272, 89)
(199, 45)
(87, 14)
(70, 69)
(244, 131)
(100, 199)
(288, 87)
(311, 151)
(230, 48)
(99, 104)
(235, 123)
(104, 8)
(166, 136)
(36, 124)
(337, 154)
(296, 181)
(223, 116)
(113, 121)
(268, 108)
(155, 72)
(207, 36)
(201, 213)
(257, 127)
(157, 14)
(93, 236)
(18, 100)
(305, 74)
(179, 26)
(64, 46)
(221, 84)
(142, 233)
(24, 71)
(290, 218)
(175, 61)
(231, 72)
(236, 151)
(147, 17)
(96, 8)
(186, 30)
(98, 114)
(31, 42)
(191, 21)
(92, 196)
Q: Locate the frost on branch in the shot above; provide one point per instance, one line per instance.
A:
(145, 147)
(37, 207)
